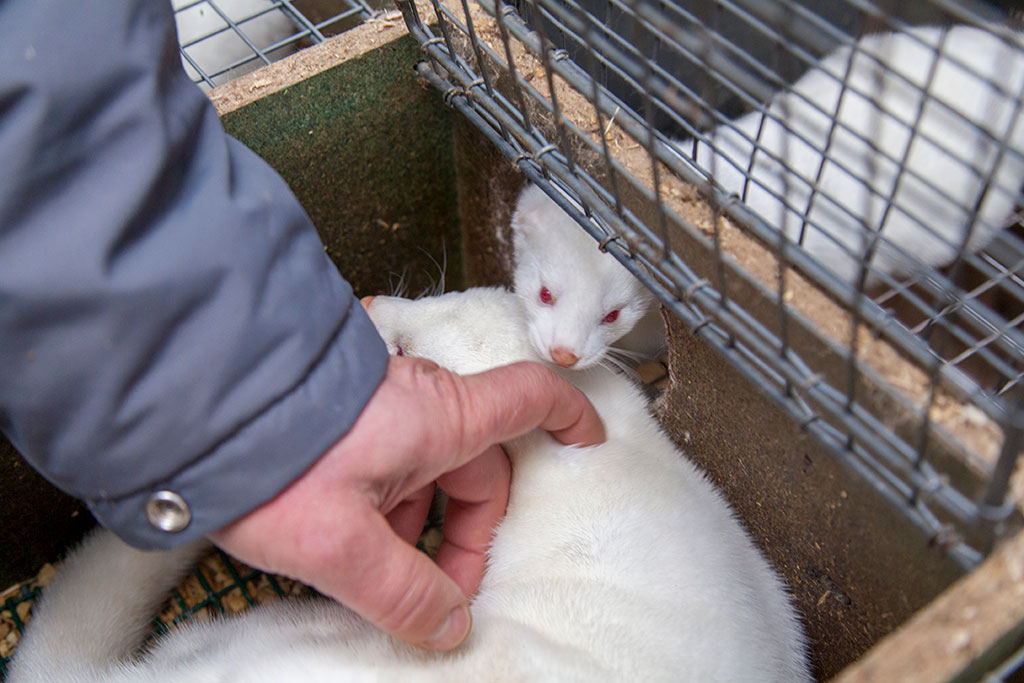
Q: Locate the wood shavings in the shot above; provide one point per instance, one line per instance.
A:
(45, 576)
(389, 17)
(354, 42)
(651, 372)
(385, 21)
(431, 541)
(17, 601)
(9, 635)
(234, 601)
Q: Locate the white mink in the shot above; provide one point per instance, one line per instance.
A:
(194, 21)
(955, 145)
(579, 301)
(617, 562)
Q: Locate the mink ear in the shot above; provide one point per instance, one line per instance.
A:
(533, 210)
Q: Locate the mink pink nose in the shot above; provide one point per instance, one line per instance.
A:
(564, 357)
(366, 301)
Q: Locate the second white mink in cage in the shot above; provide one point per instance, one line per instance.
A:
(583, 306)
(905, 126)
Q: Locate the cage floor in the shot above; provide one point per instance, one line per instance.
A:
(218, 586)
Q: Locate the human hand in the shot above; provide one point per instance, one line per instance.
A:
(348, 525)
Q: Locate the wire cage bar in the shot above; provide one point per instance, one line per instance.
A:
(223, 39)
(790, 149)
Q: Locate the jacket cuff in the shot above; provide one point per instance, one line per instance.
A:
(264, 456)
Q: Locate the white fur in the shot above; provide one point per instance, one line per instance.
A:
(927, 225)
(618, 562)
(225, 47)
(552, 251)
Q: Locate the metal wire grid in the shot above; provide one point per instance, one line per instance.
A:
(222, 586)
(223, 39)
(793, 38)
(484, 83)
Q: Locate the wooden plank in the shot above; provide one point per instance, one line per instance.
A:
(967, 624)
(295, 68)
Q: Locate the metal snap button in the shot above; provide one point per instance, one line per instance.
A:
(168, 511)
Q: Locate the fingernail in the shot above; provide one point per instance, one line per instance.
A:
(453, 632)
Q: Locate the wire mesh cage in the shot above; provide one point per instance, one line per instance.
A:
(825, 192)
(223, 39)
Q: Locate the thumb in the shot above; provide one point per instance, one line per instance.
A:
(398, 588)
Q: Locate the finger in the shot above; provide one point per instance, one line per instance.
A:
(509, 401)
(409, 517)
(478, 495)
(396, 587)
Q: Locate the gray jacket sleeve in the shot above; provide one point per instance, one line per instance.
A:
(169, 323)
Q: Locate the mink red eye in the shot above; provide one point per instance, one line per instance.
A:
(611, 317)
(545, 296)
(399, 351)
